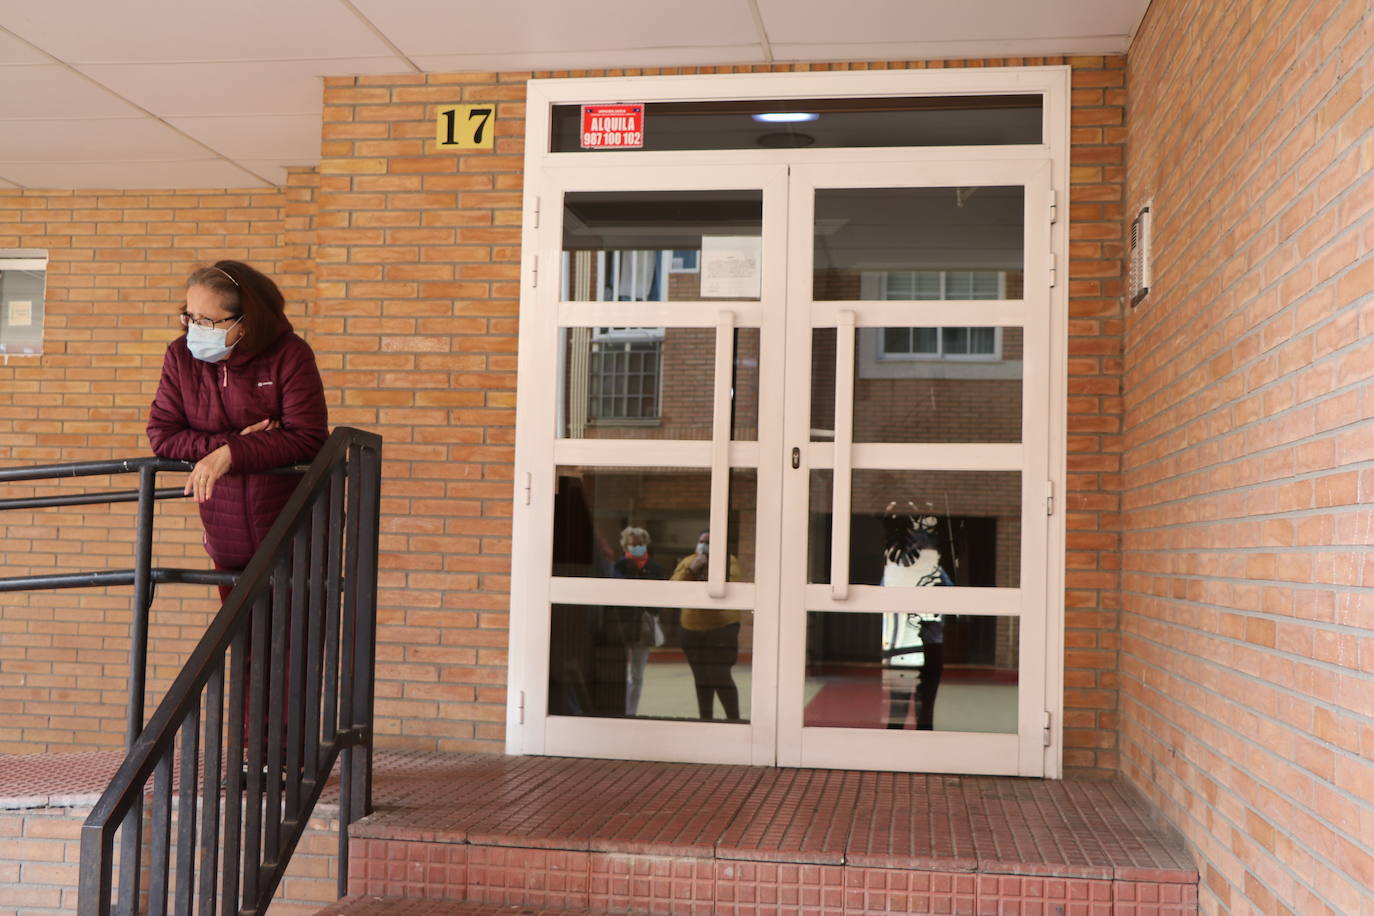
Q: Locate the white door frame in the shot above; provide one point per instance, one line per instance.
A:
(530, 557)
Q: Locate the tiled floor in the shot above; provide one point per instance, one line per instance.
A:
(681, 838)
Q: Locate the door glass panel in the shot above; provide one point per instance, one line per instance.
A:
(618, 661)
(935, 384)
(919, 243)
(597, 508)
(661, 246)
(653, 383)
(796, 123)
(941, 672)
(909, 527)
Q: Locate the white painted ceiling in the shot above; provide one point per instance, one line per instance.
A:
(226, 93)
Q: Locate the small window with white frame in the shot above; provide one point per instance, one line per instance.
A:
(23, 283)
(954, 343)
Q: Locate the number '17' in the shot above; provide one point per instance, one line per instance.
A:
(451, 124)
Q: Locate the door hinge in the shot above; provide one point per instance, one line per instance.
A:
(1054, 207)
(521, 709)
(1045, 735)
(1049, 497)
(529, 486)
(536, 213)
(534, 275)
(1054, 271)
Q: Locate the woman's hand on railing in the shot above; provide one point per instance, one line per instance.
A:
(207, 471)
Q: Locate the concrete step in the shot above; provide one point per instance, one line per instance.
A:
(368, 905)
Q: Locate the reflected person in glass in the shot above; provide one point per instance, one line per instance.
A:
(710, 637)
(913, 643)
(640, 627)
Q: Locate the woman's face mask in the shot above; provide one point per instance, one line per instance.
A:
(208, 344)
(638, 550)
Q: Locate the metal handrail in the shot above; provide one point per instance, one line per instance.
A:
(143, 576)
(296, 639)
(294, 644)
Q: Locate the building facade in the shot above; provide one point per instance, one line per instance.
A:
(1207, 635)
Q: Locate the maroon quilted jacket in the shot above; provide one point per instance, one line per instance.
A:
(200, 406)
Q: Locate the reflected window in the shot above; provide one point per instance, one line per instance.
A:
(939, 343)
(653, 383)
(623, 373)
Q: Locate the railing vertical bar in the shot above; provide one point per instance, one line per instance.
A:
(258, 663)
(332, 590)
(143, 582)
(345, 818)
(210, 791)
(186, 811)
(131, 833)
(276, 708)
(94, 884)
(236, 767)
(349, 801)
(161, 839)
(315, 638)
(295, 669)
(347, 663)
(130, 857)
(365, 584)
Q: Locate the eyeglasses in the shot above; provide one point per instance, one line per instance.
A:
(208, 324)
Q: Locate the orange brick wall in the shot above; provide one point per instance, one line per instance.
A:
(405, 261)
(117, 264)
(1248, 627)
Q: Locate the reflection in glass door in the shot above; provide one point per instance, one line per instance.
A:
(913, 632)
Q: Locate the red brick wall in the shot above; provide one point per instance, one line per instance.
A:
(1248, 661)
(415, 271)
(118, 262)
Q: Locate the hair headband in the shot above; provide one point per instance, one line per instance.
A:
(226, 273)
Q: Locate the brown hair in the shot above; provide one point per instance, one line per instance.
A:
(248, 292)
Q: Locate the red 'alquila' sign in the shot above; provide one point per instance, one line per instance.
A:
(612, 126)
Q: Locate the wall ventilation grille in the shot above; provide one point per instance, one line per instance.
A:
(1140, 256)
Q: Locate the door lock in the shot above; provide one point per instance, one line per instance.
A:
(796, 458)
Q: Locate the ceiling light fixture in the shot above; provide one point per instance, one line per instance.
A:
(785, 117)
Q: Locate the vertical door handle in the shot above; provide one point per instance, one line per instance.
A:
(796, 458)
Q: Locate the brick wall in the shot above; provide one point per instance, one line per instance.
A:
(412, 254)
(40, 855)
(1248, 660)
(118, 262)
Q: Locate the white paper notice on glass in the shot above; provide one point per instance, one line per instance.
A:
(21, 313)
(731, 266)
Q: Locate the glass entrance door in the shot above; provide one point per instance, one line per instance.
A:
(913, 616)
(652, 582)
(783, 433)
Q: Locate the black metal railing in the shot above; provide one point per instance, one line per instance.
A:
(278, 690)
(143, 576)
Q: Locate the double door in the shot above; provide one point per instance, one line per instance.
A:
(783, 466)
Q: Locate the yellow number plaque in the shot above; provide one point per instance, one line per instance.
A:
(465, 126)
